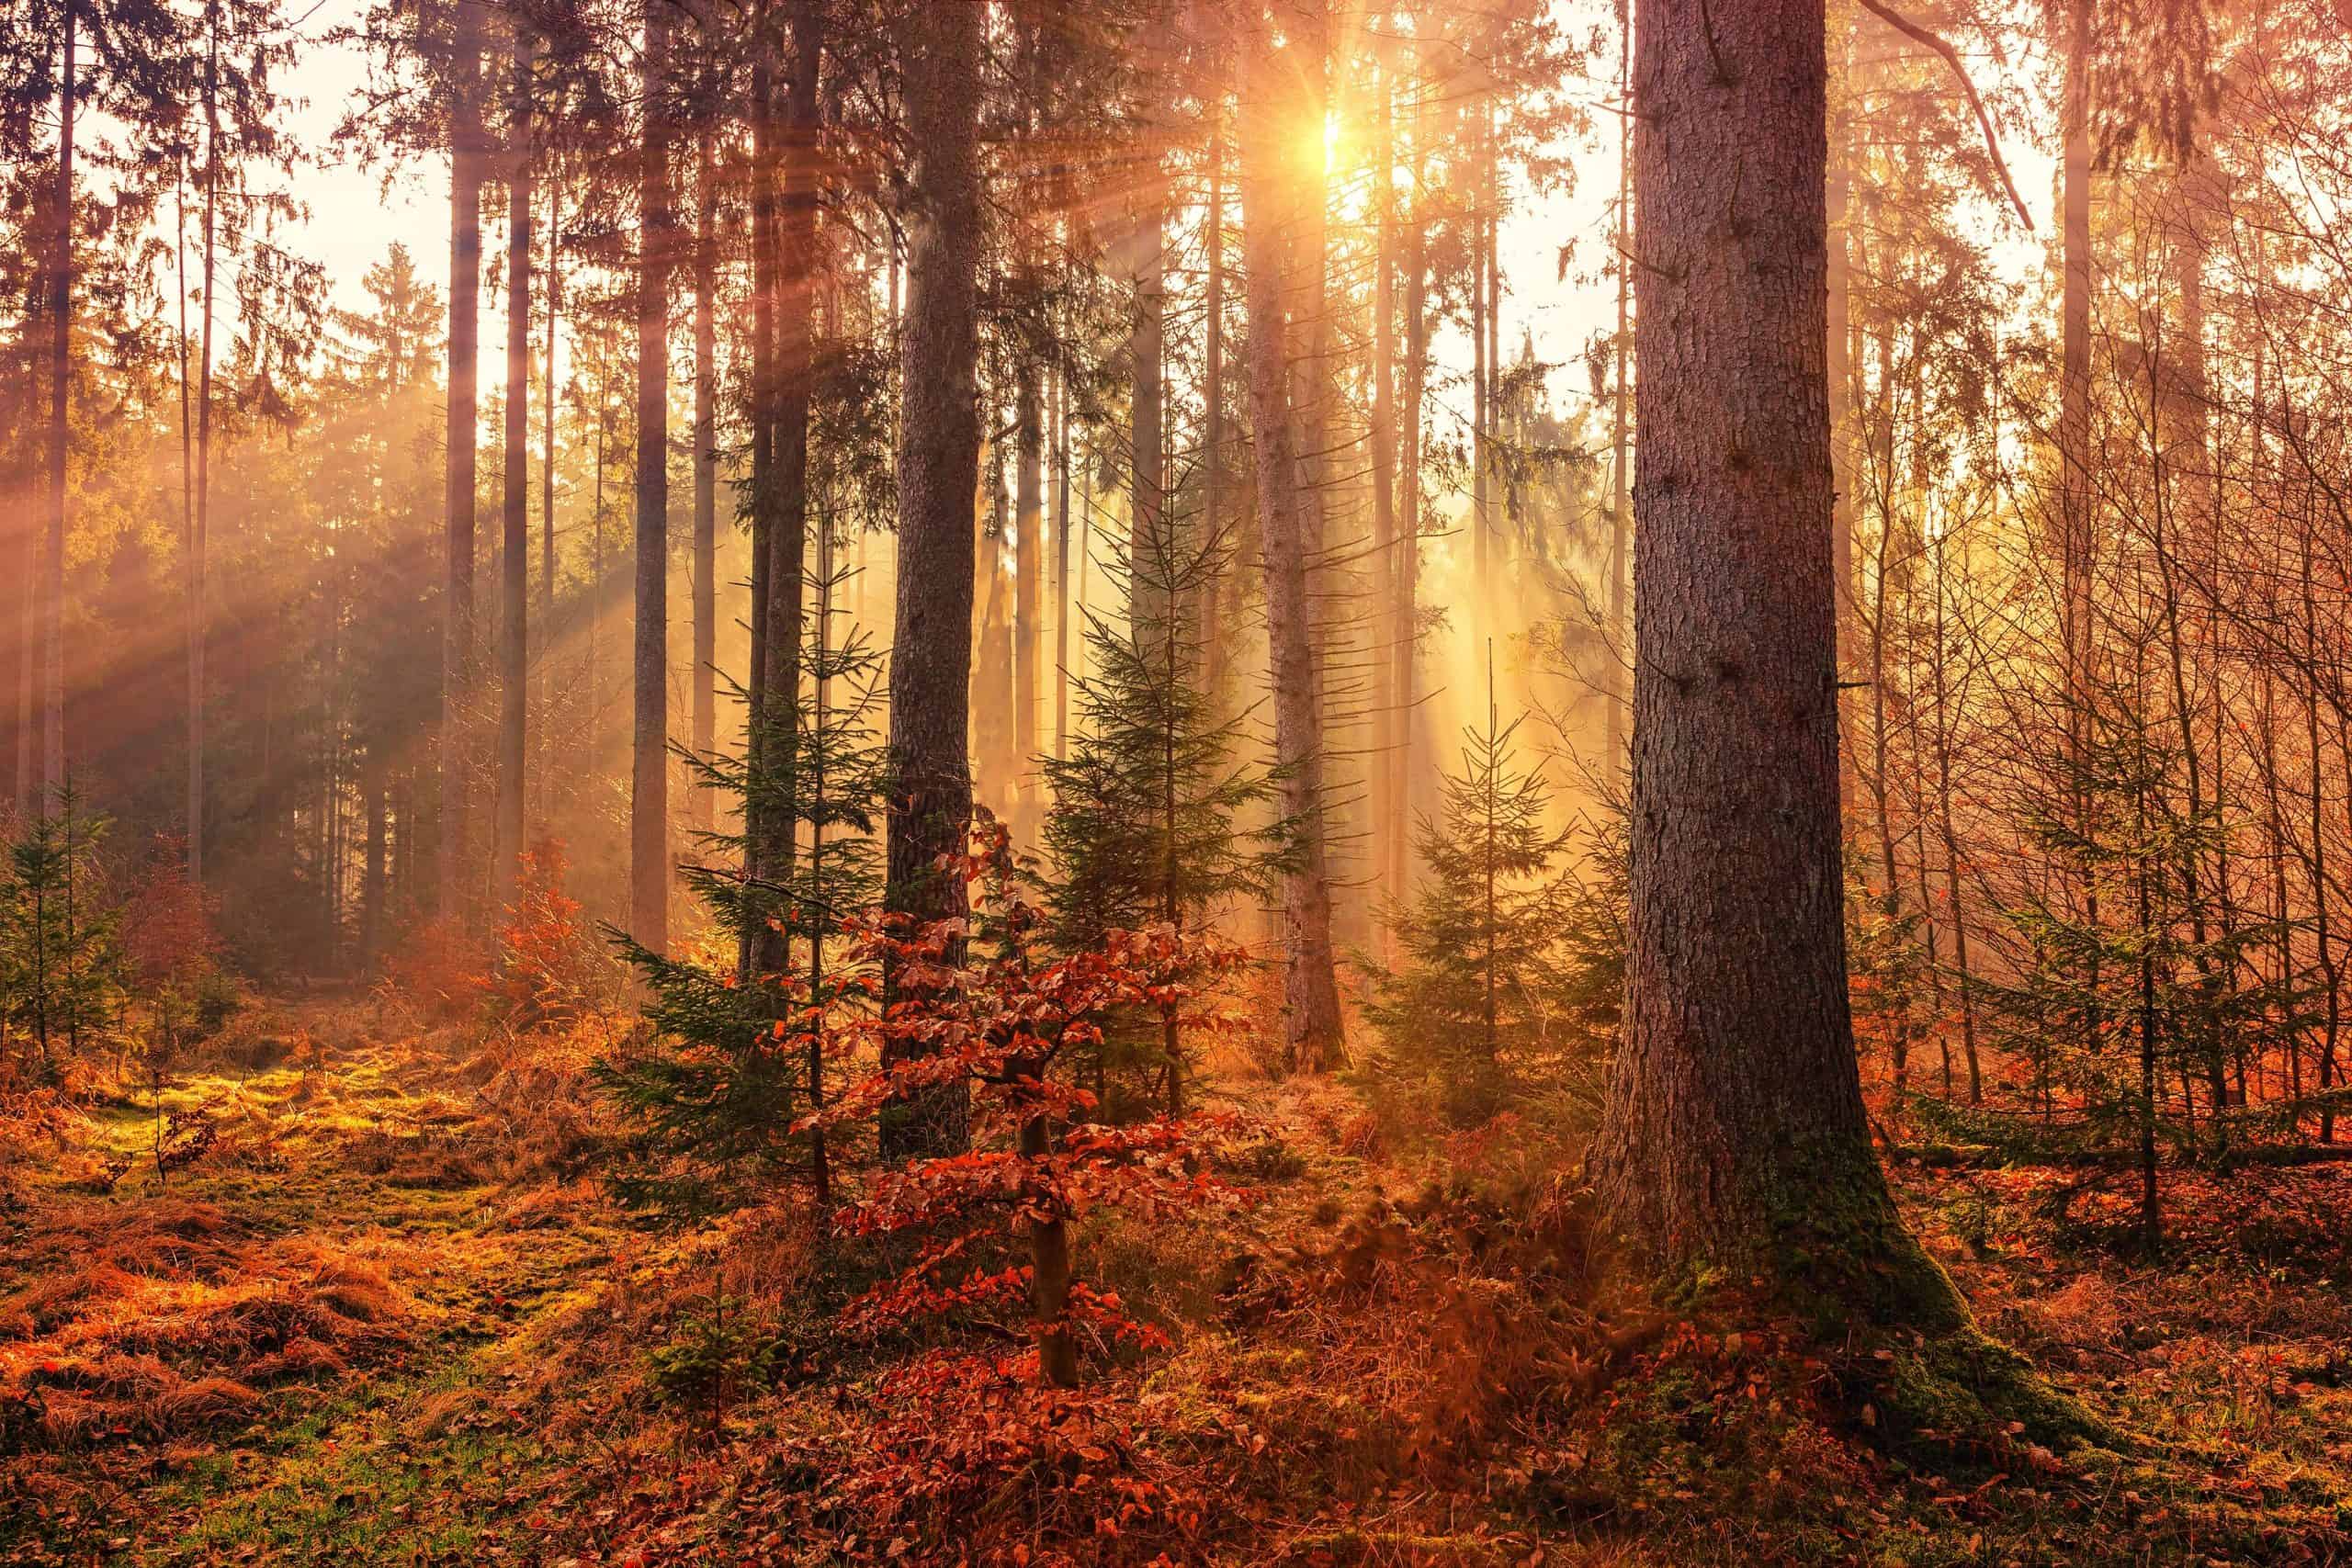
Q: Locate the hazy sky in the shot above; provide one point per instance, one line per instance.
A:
(356, 216)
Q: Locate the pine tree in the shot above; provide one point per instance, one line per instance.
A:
(61, 952)
(1485, 989)
(2115, 997)
(1145, 825)
(729, 1064)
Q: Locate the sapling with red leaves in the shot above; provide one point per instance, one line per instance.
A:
(993, 1003)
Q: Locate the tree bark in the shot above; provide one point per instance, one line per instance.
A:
(1621, 517)
(1028, 519)
(513, 624)
(200, 526)
(1312, 1036)
(547, 488)
(787, 501)
(706, 468)
(1734, 1129)
(458, 498)
(930, 807)
(1062, 567)
(650, 774)
(61, 379)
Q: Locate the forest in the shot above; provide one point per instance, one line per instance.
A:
(1175, 782)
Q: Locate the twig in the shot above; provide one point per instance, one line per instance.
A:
(1913, 30)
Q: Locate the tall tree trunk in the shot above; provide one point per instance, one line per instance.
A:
(61, 379)
(1957, 911)
(1621, 518)
(787, 501)
(200, 525)
(648, 805)
(1734, 1127)
(1405, 611)
(1389, 815)
(457, 497)
(373, 867)
(515, 554)
(2075, 495)
(1062, 567)
(1150, 538)
(1213, 409)
(1028, 517)
(1840, 371)
(706, 459)
(1312, 1036)
(757, 953)
(939, 451)
(547, 492)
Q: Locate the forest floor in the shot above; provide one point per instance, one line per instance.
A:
(381, 1312)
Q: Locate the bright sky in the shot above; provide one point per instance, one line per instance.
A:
(355, 217)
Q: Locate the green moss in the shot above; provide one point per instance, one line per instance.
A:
(1833, 1255)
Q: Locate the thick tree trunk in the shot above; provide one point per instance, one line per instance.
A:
(648, 804)
(1840, 198)
(1313, 1037)
(458, 498)
(929, 807)
(1734, 1129)
(514, 559)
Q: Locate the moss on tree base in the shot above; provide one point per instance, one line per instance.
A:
(1824, 1246)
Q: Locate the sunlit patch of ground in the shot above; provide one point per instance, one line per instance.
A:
(209, 1363)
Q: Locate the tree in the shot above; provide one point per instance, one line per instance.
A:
(514, 555)
(996, 1009)
(468, 155)
(1145, 828)
(1482, 994)
(649, 798)
(1314, 1035)
(939, 453)
(1734, 1132)
(61, 953)
(726, 1097)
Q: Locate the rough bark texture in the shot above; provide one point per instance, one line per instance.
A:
(514, 650)
(457, 496)
(1313, 1034)
(1028, 520)
(1735, 1129)
(61, 379)
(2074, 364)
(706, 459)
(649, 805)
(200, 522)
(785, 499)
(939, 452)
